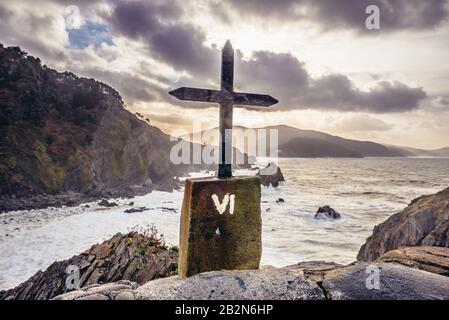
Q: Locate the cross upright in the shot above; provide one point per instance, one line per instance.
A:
(226, 98)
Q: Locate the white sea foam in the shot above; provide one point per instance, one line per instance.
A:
(364, 191)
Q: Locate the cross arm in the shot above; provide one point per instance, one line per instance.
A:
(194, 94)
(252, 99)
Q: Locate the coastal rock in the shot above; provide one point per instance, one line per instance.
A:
(396, 282)
(425, 222)
(311, 280)
(122, 290)
(133, 210)
(106, 203)
(61, 134)
(270, 175)
(327, 212)
(430, 259)
(268, 283)
(135, 257)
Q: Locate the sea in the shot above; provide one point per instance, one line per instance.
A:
(364, 191)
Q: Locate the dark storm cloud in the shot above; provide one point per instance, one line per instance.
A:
(395, 15)
(142, 18)
(181, 45)
(157, 24)
(130, 86)
(285, 77)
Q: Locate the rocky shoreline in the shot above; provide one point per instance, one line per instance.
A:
(407, 257)
(312, 280)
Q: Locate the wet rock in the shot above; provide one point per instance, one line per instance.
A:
(134, 257)
(425, 222)
(280, 200)
(167, 209)
(327, 212)
(133, 210)
(106, 203)
(270, 175)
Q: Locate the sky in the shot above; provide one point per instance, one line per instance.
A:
(317, 57)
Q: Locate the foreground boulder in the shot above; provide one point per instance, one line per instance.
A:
(270, 175)
(396, 282)
(304, 281)
(425, 222)
(134, 256)
(431, 259)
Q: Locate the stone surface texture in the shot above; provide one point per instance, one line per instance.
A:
(269, 283)
(311, 280)
(396, 282)
(210, 240)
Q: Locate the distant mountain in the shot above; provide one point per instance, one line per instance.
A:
(414, 152)
(301, 141)
(294, 142)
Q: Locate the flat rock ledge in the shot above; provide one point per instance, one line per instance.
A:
(121, 290)
(304, 281)
(431, 259)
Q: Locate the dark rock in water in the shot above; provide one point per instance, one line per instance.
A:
(166, 209)
(106, 203)
(280, 200)
(134, 256)
(430, 259)
(423, 223)
(270, 175)
(140, 209)
(327, 212)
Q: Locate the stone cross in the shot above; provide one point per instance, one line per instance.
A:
(226, 98)
(221, 225)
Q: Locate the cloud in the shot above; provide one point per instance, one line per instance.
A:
(395, 15)
(285, 77)
(182, 46)
(360, 123)
(41, 32)
(179, 44)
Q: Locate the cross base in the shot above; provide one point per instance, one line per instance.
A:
(220, 225)
(224, 170)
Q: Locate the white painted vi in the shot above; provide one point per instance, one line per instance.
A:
(228, 199)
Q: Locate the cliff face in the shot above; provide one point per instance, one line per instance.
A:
(425, 222)
(61, 133)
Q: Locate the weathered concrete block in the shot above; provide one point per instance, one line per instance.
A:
(220, 225)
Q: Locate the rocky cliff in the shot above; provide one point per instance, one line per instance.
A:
(64, 135)
(425, 222)
(134, 257)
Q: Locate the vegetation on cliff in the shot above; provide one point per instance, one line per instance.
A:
(62, 133)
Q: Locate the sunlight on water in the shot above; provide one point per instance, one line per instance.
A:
(364, 191)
